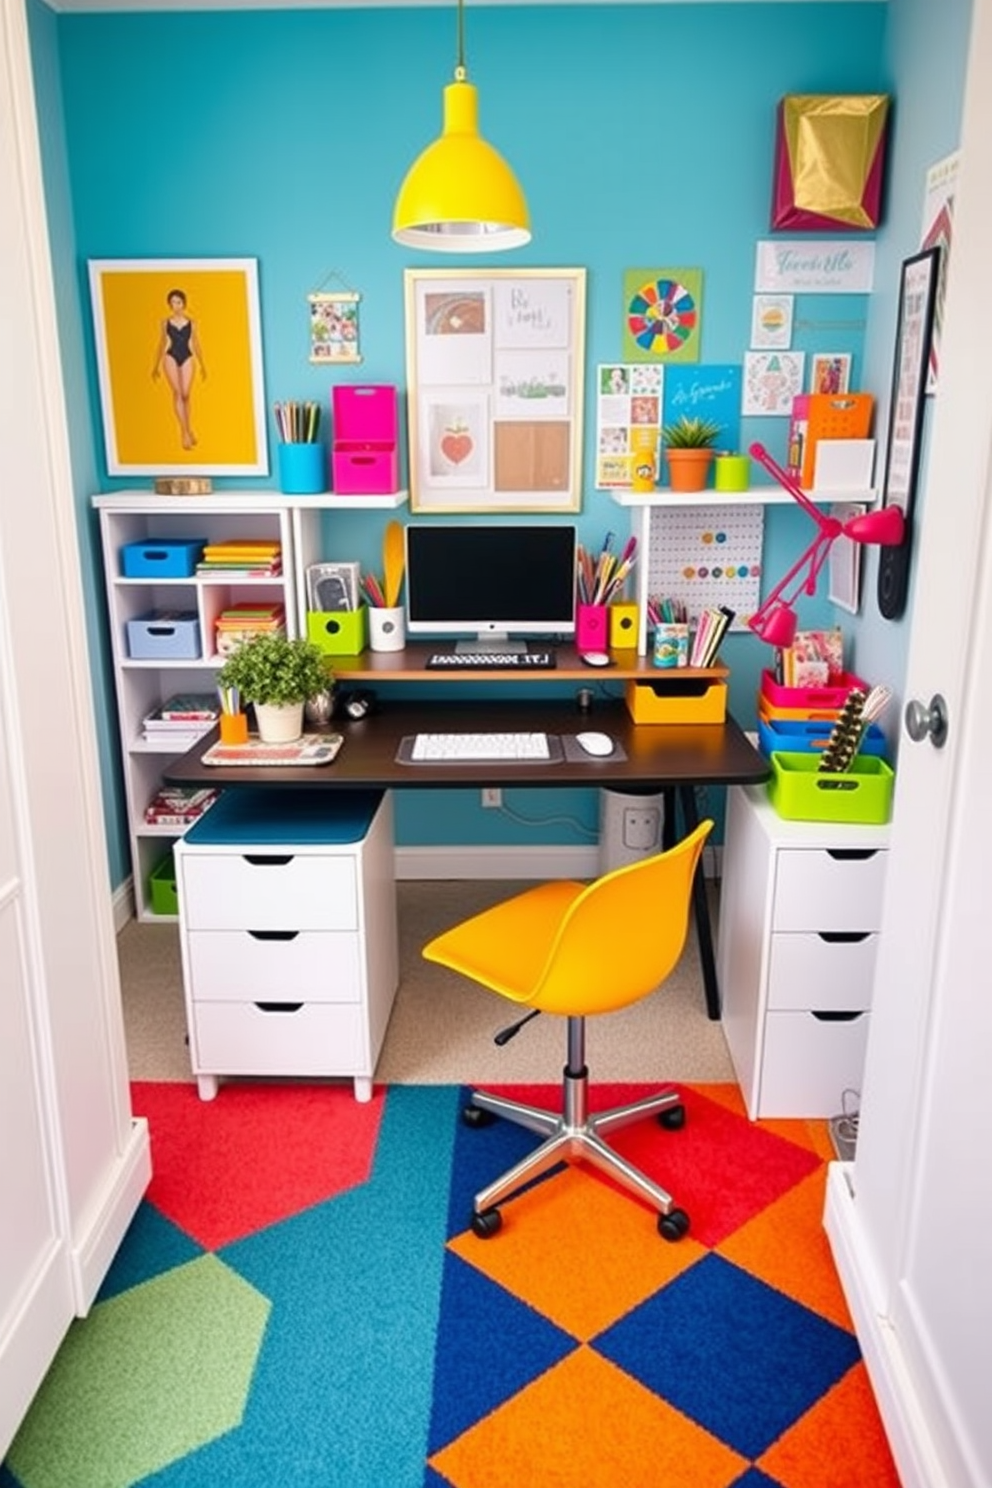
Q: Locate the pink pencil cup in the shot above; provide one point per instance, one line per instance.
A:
(592, 627)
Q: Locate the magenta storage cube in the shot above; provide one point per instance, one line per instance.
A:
(364, 452)
(811, 697)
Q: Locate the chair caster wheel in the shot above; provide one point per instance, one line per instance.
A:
(476, 1116)
(487, 1224)
(674, 1225)
(673, 1118)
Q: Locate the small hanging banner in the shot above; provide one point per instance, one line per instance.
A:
(334, 327)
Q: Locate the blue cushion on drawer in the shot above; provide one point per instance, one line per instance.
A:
(273, 815)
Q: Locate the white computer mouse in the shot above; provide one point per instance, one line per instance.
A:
(595, 658)
(595, 743)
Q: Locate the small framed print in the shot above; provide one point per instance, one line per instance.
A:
(830, 372)
(334, 328)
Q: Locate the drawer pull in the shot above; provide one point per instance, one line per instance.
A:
(843, 937)
(273, 934)
(268, 860)
(278, 1007)
(851, 854)
(830, 1017)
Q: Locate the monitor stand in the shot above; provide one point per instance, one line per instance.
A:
(489, 642)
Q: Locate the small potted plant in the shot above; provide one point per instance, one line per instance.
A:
(278, 675)
(689, 451)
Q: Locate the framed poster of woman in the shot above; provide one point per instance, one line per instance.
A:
(179, 362)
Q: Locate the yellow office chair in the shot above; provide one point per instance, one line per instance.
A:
(574, 949)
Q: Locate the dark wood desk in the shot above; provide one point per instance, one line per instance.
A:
(674, 758)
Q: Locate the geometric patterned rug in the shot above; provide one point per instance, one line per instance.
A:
(300, 1304)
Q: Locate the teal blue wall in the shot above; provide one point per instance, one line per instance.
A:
(642, 135)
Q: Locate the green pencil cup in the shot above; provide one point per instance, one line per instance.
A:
(732, 472)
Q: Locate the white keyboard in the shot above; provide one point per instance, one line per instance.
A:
(470, 747)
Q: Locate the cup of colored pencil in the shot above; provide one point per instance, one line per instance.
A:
(302, 461)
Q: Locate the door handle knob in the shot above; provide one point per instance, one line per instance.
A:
(924, 722)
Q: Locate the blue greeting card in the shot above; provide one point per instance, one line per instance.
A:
(709, 392)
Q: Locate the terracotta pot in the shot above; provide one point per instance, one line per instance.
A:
(688, 469)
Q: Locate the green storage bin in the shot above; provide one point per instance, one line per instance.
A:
(338, 632)
(800, 791)
(162, 887)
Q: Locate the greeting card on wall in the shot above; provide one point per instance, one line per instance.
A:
(662, 314)
(771, 322)
(494, 371)
(712, 393)
(628, 420)
(771, 381)
(707, 557)
(938, 222)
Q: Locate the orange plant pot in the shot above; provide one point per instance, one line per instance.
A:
(688, 469)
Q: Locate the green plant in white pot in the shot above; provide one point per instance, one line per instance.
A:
(278, 675)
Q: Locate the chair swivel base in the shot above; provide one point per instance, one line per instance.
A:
(576, 1136)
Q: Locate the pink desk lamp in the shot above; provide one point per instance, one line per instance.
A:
(775, 620)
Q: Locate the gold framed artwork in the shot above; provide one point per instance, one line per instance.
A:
(179, 361)
(495, 364)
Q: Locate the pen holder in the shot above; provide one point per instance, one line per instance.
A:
(591, 627)
(302, 469)
(387, 628)
(234, 728)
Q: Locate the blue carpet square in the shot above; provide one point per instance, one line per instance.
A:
(482, 1154)
(151, 1246)
(490, 1345)
(735, 1355)
(755, 1478)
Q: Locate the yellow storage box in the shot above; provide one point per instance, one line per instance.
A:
(700, 697)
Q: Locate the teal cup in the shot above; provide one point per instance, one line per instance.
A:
(302, 469)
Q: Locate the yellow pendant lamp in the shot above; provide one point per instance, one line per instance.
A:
(460, 196)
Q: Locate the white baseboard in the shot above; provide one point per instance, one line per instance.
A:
(122, 904)
(114, 1208)
(538, 863)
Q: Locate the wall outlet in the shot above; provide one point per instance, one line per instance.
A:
(642, 827)
(492, 796)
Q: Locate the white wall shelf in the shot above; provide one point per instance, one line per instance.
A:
(772, 495)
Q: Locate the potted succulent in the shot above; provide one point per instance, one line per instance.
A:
(689, 451)
(278, 675)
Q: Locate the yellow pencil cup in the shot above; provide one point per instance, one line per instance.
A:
(623, 626)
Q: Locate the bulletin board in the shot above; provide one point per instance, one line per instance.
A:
(494, 389)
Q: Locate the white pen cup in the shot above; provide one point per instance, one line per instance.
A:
(387, 628)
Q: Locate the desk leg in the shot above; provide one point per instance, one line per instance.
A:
(701, 908)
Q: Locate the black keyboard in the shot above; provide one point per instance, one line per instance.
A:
(487, 661)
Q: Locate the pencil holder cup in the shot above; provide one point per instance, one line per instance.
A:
(591, 627)
(731, 472)
(302, 469)
(387, 628)
(234, 728)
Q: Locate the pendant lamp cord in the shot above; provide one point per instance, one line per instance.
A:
(460, 65)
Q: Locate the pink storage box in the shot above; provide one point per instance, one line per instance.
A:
(810, 697)
(364, 454)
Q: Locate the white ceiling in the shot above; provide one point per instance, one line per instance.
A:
(167, 5)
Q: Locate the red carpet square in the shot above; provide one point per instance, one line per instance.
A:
(225, 1168)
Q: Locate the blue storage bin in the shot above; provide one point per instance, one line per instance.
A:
(810, 736)
(172, 558)
(288, 816)
(164, 635)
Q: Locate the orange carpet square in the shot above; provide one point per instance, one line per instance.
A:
(838, 1443)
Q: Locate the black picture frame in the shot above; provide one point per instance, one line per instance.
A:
(914, 329)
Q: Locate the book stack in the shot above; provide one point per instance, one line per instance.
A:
(242, 558)
(711, 628)
(181, 720)
(239, 622)
(179, 805)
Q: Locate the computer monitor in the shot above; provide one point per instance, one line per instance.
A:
(491, 580)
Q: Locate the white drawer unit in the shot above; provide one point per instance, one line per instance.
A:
(287, 915)
(800, 910)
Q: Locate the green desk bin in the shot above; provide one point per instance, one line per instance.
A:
(338, 632)
(800, 791)
(162, 887)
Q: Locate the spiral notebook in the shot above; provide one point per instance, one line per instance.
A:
(309, 749)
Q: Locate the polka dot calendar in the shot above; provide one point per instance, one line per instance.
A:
(707, 555)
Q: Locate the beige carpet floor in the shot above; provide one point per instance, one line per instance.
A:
(441, 1029)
